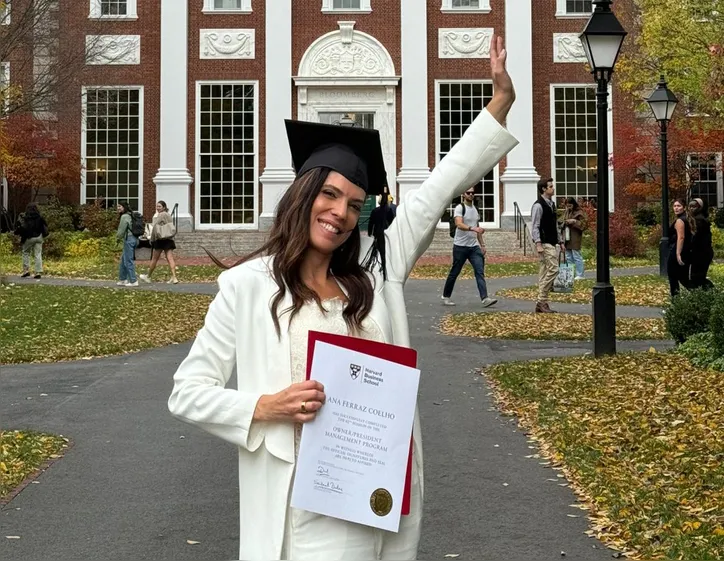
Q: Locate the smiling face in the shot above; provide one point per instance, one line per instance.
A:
(119, 209)
(159, 208)
(335, 213)
(678, 207)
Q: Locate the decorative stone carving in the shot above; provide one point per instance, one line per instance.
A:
(465, 43)
(113, 49)
(227, 43)
(567, 47)
(346, 54)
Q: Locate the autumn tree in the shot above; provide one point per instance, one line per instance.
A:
(683, 39)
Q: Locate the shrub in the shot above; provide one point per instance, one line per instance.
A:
(647, 215)
(717, 241)
(701, 352)
(719, 217)
(689, 312)
(716, 324)
(6, 244)
(60, 216)
(623, 239)
(83, 244)
(55, 244)
(97, 220)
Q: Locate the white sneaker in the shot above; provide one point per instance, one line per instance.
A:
(447, 302)
(122, 283)
(487, 302)
(579, 278)
(173, 280)
(144, 278)
(132, 284)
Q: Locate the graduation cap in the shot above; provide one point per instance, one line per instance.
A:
(354, 152)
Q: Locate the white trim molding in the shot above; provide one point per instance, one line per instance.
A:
(563, 13)
(113, 49)
(5, 13)
(131, 11)
(227, 43)
(448, 8)
(567, 47)
(464, 43)
(210, 9)
(365, 7)
(4, 83)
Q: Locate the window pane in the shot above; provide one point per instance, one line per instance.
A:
(114, 7)
(703, 173)
(575, 160)
(465, 3)
(579, 6)
(346, 4)
(227, 153)
(227, 4)
(462, 103)
(115, 144)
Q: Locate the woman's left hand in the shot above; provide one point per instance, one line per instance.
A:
(680, 260)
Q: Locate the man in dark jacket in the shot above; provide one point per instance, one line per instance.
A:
(381, 217)
(547, 238)
(32, 230)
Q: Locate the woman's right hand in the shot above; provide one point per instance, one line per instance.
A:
(299, 403)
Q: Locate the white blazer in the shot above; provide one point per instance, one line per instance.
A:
(238, 333)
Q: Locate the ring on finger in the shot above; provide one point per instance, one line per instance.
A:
(304, 406)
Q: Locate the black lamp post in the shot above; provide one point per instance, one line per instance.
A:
(663, 104)
(602, 39)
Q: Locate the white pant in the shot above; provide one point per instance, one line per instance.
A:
(309, 536)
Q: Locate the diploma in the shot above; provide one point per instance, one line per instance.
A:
(353, 457)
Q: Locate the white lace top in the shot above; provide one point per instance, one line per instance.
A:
(310, 317)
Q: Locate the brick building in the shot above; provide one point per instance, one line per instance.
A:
(187, 99)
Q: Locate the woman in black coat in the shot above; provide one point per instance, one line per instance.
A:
(702, 250)
(32, 230)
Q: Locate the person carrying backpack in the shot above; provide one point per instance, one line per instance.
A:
(130, 228)
(32, 230)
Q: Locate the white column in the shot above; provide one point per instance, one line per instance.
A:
(278, 173)
(415, 110)
(173, 178)
(520, 177)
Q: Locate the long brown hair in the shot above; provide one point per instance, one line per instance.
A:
(688, 216)
(288, 244)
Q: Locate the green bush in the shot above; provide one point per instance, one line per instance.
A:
(716, 324)
(99, 221)
(719, 217)
(717, 242)
(700, 351)
(54, 245)
(689, 312)
(60, 216)
(647, 215)
(6, 243)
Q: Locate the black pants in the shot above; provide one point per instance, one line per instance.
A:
(690, 276)
(698, 271)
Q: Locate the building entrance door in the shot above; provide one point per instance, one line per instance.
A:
(365, 120)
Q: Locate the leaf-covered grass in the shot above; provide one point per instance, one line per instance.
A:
(105, 269)
(641, 440)
(41, 323)
(545, 327)
(21, 453)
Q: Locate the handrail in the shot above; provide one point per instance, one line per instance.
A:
(521, 229)
(174, 216)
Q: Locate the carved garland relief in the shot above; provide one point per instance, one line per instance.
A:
(227, 43)
(567, 47)
(464, 43)
(113, 49)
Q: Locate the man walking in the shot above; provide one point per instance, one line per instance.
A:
(468, 245)
(546, 235)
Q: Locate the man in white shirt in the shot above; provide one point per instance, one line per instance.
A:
(468, 245)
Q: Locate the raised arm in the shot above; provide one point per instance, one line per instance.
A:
(482, 146)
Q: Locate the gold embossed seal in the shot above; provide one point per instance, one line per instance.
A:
(381, 502)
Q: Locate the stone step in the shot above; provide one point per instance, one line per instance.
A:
(241, 242)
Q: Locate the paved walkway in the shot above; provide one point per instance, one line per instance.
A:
(137, 484)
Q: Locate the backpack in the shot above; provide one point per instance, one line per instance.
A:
(137, 226)
(453, 226)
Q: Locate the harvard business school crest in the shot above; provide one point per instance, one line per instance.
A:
(354, 370)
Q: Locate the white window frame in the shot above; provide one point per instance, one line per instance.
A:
(447, 8)
(719, 174)
(197, 157)
(131, 9)
(6, 13)
(562, 13)
(209, 8)
(83, 156)
(365, 7)
(496, 170)
(5, 79)
(552, 123)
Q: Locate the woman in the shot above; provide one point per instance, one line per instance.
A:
(32, 230)
(162, 234)
(574, 223)
(702, 250)
(680, 236)
(127, 268)
(317, 272)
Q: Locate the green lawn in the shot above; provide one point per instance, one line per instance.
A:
(640, 438)
(41, 323)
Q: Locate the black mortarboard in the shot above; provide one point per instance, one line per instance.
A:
(354, 152)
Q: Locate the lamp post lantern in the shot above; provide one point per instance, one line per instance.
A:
(663, 104)
(602, 39)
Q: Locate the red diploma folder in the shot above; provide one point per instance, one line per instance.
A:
(393, 353)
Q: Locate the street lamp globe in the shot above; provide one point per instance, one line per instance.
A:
(602, 39)
(662, 101)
